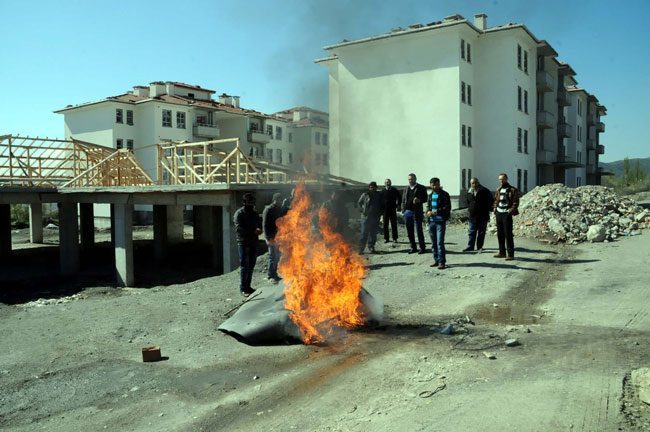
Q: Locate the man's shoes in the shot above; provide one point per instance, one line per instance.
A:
(361, 251)
(247, 292)
(499, 255)
(442, 266)
(435, 264)
(422, 252)
(372, 250)
(386, 241)
(274, 280)
(510, 258)
(412, 251)
(479, 250)
(468, 249)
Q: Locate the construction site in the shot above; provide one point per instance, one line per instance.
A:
(555, 340)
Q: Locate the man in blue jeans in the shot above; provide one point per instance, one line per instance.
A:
(438, 211)
(248, 228)
(412, 199)
(270, 215)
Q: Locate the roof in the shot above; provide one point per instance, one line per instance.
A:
(189, 86)
(301, 108)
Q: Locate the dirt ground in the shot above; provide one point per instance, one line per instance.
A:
(580, 314)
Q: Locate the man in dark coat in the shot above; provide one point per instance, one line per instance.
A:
(478, 200)
(392, 201)
(248, 228)
(270, 215)
(413, 197)
(506, 205)
(371, 206)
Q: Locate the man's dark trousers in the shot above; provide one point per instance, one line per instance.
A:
(247, 258)
(414, 220)
(504, 234)
(390, 215)
(477, 233)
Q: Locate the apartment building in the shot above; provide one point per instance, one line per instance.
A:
(309, 129)
(175, 111)
(456, 99)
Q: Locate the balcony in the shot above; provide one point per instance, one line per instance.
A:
(545, 157)
(564, 130)
(591, 119)
(206, 130)
(544, 81)
(258, 137)
(591, 144)
(601, 149)
(545, 120)
(563, 99)
(566, 161)
(600, 127)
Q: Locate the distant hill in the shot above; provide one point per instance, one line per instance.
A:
(616, 167)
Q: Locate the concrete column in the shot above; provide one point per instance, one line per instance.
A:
(124, 244)
(159, 232)
(112, 224)
(175, 223)
(87, 221)
(5, 230)
(36, 223)
(68, 238)
(230, 252)
(217, 239)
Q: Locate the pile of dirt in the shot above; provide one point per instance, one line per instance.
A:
(573, 215)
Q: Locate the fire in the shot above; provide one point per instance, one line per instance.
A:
(322, 273)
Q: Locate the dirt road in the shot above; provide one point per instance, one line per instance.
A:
(579, 312)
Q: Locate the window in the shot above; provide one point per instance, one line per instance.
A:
(129, 144)
(578, 181)
(579, 107)
(269, 154)
(118, 115)
(325, 159)
(463, 140)
(519, 98)
(462, 91)
(180, 120)
(579, 133)
(317, 158)
(540, 63)
(525, 181)
(278, 133)
(167, 118)
(201, 120)
(462, 49)
(269, 130)
(469, 94)
(579, 157)
(325, 139)
(518, 140)
(119, 143)
(469, 177)
(526, 61)
(290, 157)
(540, 140)
(519, 179)
(254, 127)
(526, 141)
(463, 178)
(290, 137)
(317, 138)
(519, 56)
(190, 95)
(526, 101)
(278, 155)
(540, 101)
(469, 136)
(469, 53)
(129, 117)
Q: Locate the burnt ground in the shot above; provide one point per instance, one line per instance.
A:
(72, 361)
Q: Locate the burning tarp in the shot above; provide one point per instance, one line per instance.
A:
(322, 284)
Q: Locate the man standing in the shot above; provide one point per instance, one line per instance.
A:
(248, 227)
(412, 199)
(270, 215)
(479, 203)
(370, 204)
(506, 203)
(392, 201)
(438, 211)
(338, 210)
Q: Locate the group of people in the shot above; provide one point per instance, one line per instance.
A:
(415, 204)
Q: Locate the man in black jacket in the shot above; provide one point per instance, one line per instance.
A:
(478, 200)
(413, 197)
(270, 215)
(392, 201)
(371, 205)
(248, 227)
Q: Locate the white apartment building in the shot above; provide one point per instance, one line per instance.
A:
(455, 99)
(162, 111)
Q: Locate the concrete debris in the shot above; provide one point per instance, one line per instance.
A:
(489, 355)
(51, 226)
(557, 213)
(641, 381)
(512, 342)
(45, 302)
(447, 330)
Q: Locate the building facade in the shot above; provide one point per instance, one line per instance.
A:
(454, 100)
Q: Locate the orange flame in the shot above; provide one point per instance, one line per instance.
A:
(322, 273)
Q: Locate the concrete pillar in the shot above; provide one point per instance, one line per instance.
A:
(87, 221)
(112, 224)
(68, 238)
(217, 239)
(5, 230)
(159, 232)
(230, 251)
(36, 223)
(124, 244)
(175, 223)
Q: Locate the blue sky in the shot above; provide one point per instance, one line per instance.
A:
(54, 53)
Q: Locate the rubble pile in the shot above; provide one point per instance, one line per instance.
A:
(573, 215)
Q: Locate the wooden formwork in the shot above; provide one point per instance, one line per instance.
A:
(223, 161)
(47, 162)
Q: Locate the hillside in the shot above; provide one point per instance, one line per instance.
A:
(616, 167)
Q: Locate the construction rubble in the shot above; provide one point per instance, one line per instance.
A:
(557, 213)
